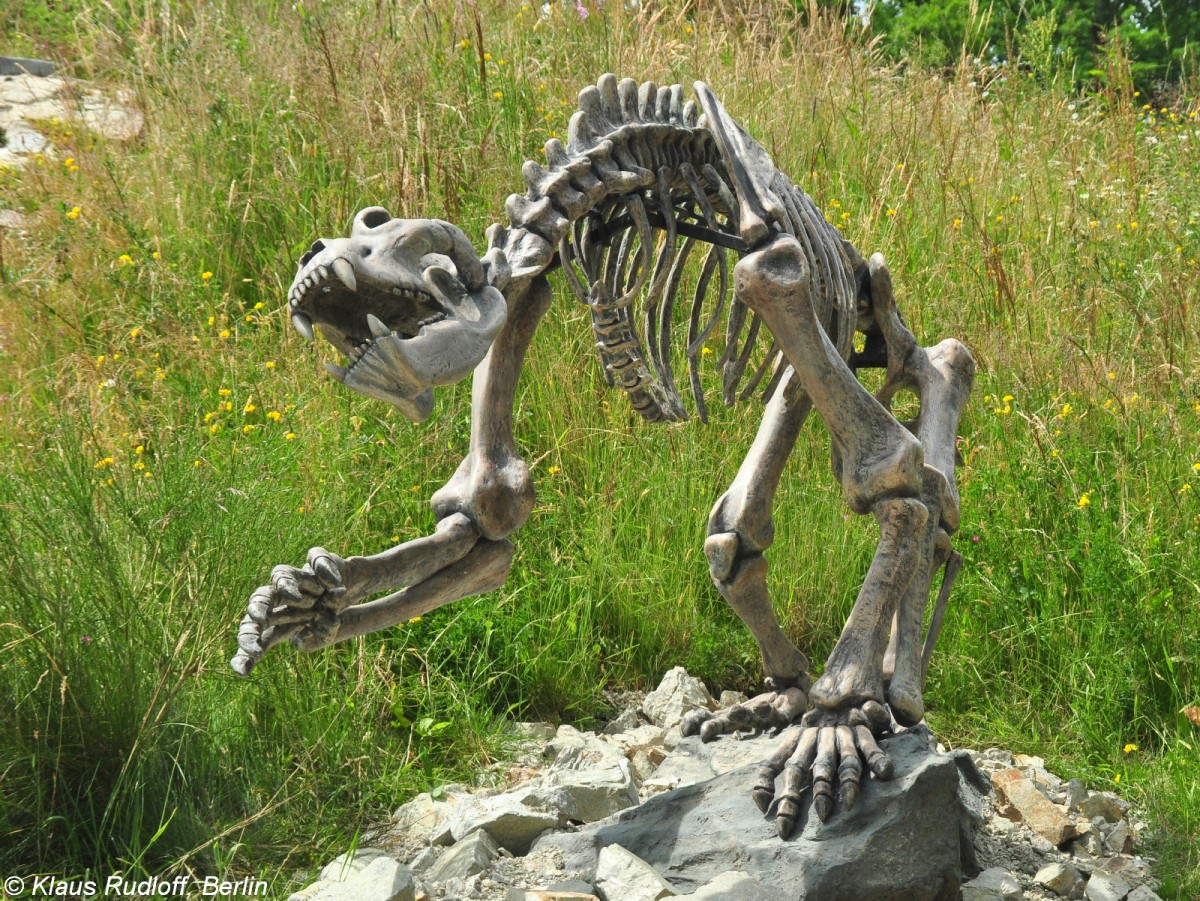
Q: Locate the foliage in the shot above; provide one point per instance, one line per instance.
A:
(168, 438)
(1160, 35)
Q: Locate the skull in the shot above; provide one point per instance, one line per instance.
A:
(405, 300)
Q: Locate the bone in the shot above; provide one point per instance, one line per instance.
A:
(345, 272)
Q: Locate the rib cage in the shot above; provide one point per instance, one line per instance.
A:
(640, 183)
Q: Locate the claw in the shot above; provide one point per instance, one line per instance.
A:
(693, 720)
(288, 588)
(242, 663)
(785, 818)
(822, 800)
(326, 572)
(764, 789)
(849, 796)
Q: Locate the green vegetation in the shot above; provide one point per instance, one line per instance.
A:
(168, 438)
(1071, 37)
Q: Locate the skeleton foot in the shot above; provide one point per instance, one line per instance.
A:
(828, 747)
(301, 604)
(770, 710)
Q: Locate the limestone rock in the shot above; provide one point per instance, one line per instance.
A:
(19, 65)
(421, 817)
(598, 784)
(1019, 799)
(471, 856)
(900, 841)
(623, 876)
(511, 822)
(994, 884)
(1142, 893)
(1103, 887)
(352, 863)
(1058, 877)
(731, 699)
(370, 876)
(731, 886)
(626, 722)
(1120, 840)
(676, 695)
(1099, 805)
(518, 894)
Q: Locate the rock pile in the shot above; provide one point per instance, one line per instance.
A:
(636, 813)
(32, 96)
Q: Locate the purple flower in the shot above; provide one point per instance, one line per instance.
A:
(86, 639)
(581, 9)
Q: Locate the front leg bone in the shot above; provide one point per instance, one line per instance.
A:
(305, 604)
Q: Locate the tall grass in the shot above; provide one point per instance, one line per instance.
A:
(149, 485)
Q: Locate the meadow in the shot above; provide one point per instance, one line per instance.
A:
(168, 437)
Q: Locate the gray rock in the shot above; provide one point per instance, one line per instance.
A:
(693, 760)
(350, 864)
(731, 698)
(1119, 839)
(511, 822)
(1058, 877)
(994, 884)
(370, 876)
(1103, 887)
(731, 886)
(1098, 805)
(19, 65)
(422, 816)
(627, 721)
(598, 785)
(623, 876)
(522, 894)
(471, 856)
(676, 695)
(902, 839)
(424, 861)
(12, 219)
(1077, 792)
(1142, 893)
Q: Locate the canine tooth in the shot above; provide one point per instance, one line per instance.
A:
(378, 329)
(338, 372)
(345, 273)
(303, 326)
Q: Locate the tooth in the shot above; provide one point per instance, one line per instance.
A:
(303, 326)
(378, 329)
(338, 372)
(345, 273)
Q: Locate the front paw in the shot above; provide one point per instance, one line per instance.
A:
(301, 605)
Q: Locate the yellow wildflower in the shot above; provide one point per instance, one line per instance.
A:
(224, 392)
(1129, 748)
(197, 464)
(497, 95)
(104, 462)
(205, 276)
(270, 364)
(487, 57)
(289, 436)
(133, 333)
(1084, 501)
(274, 416)
(73, 213)
(247, 429)
(225, 333)
(125, 260)
(249, 408)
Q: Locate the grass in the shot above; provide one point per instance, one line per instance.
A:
(168, 438)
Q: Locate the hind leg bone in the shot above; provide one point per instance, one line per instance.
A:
(881, 471)
(740, 528)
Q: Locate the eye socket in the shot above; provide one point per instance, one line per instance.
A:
(373, 217)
